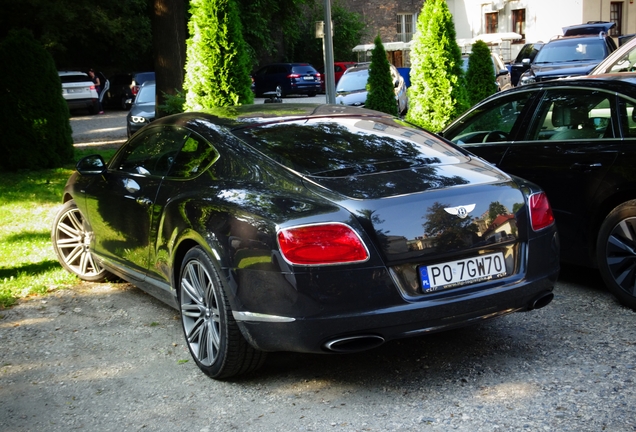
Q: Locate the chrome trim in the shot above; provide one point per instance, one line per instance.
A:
(252, 316)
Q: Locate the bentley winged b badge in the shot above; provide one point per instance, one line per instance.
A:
(460, 211)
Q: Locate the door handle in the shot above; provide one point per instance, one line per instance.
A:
(144, 202)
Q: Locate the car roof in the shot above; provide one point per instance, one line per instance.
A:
(65, 73)
(259, 114)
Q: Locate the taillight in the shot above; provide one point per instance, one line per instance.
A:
(540, 211)
(135, 89)
(293, 76)
(93, 87)
(330, 243)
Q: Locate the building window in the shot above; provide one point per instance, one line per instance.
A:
(519, 22)
(405, 27)
(492, 22)
(616, 16)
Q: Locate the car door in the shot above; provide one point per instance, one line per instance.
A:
(568, 149)
(121, 204)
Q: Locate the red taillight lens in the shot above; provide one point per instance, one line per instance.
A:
(93, 87)
(293, 76)
(135, 90)
(540, 211)
(332, 243)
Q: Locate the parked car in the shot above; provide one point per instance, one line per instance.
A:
(522, 62)
(622, 60)
(286, 79)
(575, 138)
(124, 88)
(79, 91)
(501, 72)
(317, 228)
(352, 87)
(576, 53)
(142, 110)
(338, 69)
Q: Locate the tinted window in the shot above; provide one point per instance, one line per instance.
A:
(573, 114)
(628, 118)
(195, 156)
(151, 152)
(483, 124)
(74, 78)
(328, 148)
(303, 70)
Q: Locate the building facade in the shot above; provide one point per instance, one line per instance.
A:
(505, 24)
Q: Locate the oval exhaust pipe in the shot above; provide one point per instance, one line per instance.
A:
(541, 301)
(353, 344)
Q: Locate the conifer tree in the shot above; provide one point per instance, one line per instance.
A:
(480, 75)
(34, 117)
(437, 93)
(380, 96)
(217, 71)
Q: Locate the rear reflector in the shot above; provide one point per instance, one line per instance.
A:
(331, 243)
(540, 211)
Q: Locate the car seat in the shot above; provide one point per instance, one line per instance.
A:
(573, 123)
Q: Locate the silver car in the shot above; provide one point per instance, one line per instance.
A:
(352, 87)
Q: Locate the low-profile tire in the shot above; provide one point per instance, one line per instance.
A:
(71, 239)
(212, 335)
(616, 253)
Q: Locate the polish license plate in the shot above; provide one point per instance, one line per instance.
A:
(308, 78)
(451, 274)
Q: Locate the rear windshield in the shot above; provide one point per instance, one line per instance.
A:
(350, 146)
(304, 70)
(74, 78)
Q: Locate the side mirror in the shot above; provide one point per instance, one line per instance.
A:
(525, 62)
(91, 165)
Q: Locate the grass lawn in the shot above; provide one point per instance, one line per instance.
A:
(29, 201)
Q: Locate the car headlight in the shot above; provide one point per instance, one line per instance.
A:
(138, 119)
(527, 78)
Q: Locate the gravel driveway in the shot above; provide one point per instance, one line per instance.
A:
(108, 357)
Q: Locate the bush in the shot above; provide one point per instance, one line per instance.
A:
(34, 117)
(480, 76)
(437, 94)
(381, 96)
(217, 61)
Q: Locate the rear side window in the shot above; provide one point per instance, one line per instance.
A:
(195, 156)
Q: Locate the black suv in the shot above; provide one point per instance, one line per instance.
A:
(576, 53)
(287, 78)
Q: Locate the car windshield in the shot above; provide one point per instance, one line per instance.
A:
(348, 146)
(353, 81)
(146, 94)
(571, 50)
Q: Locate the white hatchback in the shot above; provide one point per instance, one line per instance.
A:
(79, 91)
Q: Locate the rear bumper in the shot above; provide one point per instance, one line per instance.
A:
(365, 330)
(81, 103)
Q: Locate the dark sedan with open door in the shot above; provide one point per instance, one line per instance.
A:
(309, 228)
(576, 138)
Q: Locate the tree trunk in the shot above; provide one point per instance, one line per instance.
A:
(168, 39)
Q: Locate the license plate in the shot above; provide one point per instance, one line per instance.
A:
(308, 78)
(451, 274)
